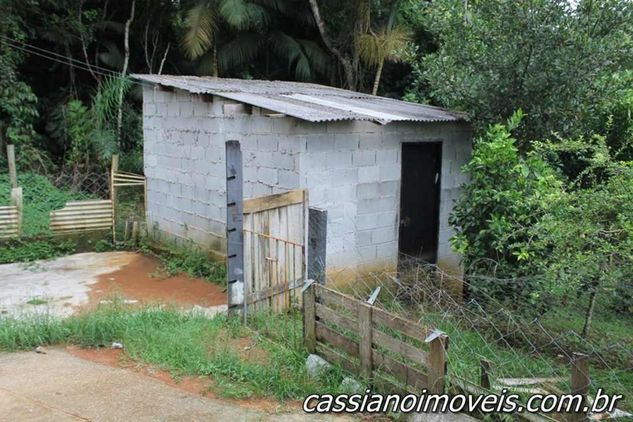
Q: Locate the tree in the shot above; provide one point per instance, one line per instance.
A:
(546, 57)
(385, 44)
(494, 217)
(256, 28)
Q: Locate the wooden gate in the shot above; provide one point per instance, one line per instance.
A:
(274, 249)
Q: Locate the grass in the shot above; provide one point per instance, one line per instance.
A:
(33, 250)
(188, 344)
(40, 197)
(36, 302)
(188, 260)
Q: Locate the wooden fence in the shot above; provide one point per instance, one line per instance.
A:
(274, 249)
(11, 216)
(392, 353)
(81, 216)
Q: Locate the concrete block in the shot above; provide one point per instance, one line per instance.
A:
(363, 238)
(288, 179)
(346, 141)
(364, 158)
(390, 172)
(267, 143)
(386, 156)
(261, 125)
(320, 143)
(292, 144)
(186, 109)
(267, 176)
(368, 174)
(384, 235)
(173, 109)
(338, 159)
(370, 141)
(387, 250)
(368, 190)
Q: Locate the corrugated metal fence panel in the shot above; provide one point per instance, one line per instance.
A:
(9, 222)
(82, 216)
(274, 250)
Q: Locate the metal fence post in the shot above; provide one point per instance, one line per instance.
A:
(237, 294)
(309, 318)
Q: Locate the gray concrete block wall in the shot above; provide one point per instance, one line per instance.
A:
(362, 197)
(351, 169)
(184, 161)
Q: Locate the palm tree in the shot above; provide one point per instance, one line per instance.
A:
(386, 44)
(256, 34)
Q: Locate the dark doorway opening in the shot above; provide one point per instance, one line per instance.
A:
(420, 200)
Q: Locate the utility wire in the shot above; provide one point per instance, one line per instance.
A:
(60, 58)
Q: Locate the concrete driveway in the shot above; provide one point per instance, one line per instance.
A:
(58, 386)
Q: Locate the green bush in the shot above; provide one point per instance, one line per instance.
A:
(506, 197)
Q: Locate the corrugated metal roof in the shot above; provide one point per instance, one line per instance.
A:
(311, 102)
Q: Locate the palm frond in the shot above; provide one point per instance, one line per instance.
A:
(374, 48)
(200, 22)
(242, 49)
(242, 14)
(105, 103)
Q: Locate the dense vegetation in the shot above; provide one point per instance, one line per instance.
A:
(547, 84)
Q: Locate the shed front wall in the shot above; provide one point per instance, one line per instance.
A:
(351, 169)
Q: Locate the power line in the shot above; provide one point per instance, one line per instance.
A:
(61, 59)
(28, 46)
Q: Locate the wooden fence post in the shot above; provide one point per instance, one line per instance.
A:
(309, 318)
(580, 381)
(437, 364)
(17, 202)
(113, 169)
(13, 174)
(237, 290)
(365, 341)
(485, 373)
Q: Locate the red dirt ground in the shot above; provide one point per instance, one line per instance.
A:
(141, 280)
(195, 385)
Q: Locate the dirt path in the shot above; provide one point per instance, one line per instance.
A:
(69, 284)
(62, 387)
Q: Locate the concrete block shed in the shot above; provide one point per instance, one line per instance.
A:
(386, 172)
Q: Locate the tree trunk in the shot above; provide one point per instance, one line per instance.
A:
(126, 61)
(589, 314)
(216, 71)
(348, 68)
(377, 78)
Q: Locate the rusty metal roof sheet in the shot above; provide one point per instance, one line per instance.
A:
(306, 101)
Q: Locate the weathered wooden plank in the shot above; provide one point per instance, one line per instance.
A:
(277, 289)
(332, 297)
(403, 373)
(386, 386)
(400, 324)
(580, 382)
(89, 202)
(273, 201)
(78, 226)
(337, 358)
(437, 364)
(398, 346)
(94, 217)
(80, 213)
(329, 315)
(13, 175)
(327, 335)
(365, 343)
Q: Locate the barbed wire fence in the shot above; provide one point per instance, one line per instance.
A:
(523, 346)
